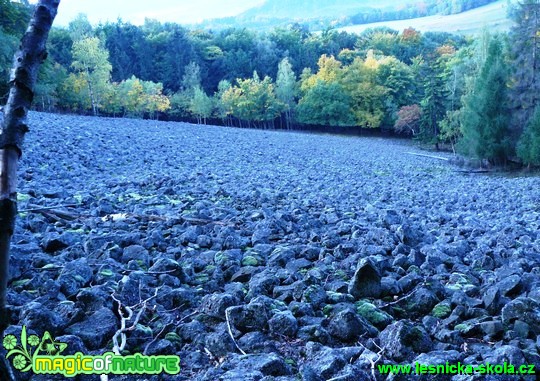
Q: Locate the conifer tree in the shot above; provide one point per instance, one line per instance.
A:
(528, 148)
(485, 116)
(525, 42)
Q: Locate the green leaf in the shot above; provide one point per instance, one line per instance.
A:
(21, 282)
(106, 272)
(21, 197)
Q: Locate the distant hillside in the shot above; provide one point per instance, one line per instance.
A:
(493, 16)
(309, 9)
(320, 14)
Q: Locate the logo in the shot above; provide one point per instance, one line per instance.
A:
(44, 356)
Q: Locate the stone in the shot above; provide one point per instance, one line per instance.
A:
(35, 316)
(53, 242)
(269, 364)
(347, 326)
(374, 315)
(366, 282)
(524, 309)
(283, 323)
(75, 275)
(215, 305)
(97, 329)
(402, 339)
(138, 254)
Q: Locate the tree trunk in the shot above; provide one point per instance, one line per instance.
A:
(92, 96)
(23, 78)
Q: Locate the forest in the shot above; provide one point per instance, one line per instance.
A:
(477, 95)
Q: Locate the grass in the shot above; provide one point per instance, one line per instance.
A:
(493, 16)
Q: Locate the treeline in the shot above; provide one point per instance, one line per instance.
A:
(478, 96)
(238, 76)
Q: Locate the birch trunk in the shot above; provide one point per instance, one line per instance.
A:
(26, 64)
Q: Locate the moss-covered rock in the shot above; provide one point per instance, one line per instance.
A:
(442, 310)
(250, 261)
(374, 315)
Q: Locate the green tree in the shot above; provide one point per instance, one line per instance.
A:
(450, 128)
(326, 104)
(223, 108)
(459, 73)
(254, 100)
(485, 115)
(181, 101)
(8, 45)
(434, 100)
(80, 28)
(192, 77)
(201, 105)
(14, 17)
(91, 62)
(286, 89)
(528, 148)
(51, 77)
(525, 43)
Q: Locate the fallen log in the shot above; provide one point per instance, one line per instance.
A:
(429, 156)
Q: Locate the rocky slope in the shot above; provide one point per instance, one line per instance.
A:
(323, 254)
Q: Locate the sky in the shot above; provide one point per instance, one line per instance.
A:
(135, 11)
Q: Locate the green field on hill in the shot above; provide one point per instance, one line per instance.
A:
(493, 16)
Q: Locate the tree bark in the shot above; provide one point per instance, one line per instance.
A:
(27, 60)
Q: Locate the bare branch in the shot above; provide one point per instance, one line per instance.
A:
(374, 362)
(230, 331)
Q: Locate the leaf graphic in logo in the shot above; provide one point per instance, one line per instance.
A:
(51, 347)
(10, 342)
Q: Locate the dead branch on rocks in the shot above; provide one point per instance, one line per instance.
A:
(373, 362)
(230, 331)
(124, 319)
(408, 295)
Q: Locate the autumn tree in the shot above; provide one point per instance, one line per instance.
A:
(155, 102)
(408, 120)
(91, 63)
(367, 95)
